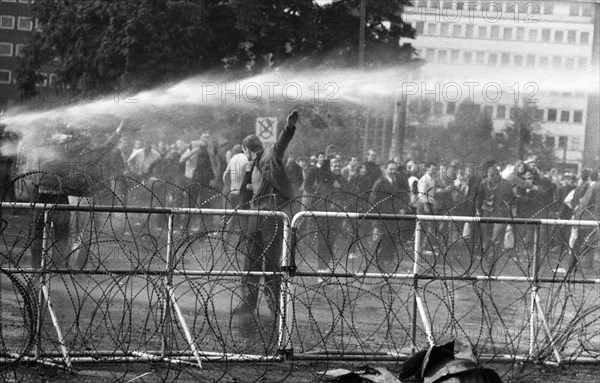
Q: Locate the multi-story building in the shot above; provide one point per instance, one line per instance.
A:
(555, 44)
(16, 27)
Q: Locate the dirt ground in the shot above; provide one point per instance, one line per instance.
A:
(290, 371)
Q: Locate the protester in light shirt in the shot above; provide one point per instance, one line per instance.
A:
(234, 175)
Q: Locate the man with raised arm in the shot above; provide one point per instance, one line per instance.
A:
(265, 187)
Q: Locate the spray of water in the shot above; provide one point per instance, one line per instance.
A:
(368, 87)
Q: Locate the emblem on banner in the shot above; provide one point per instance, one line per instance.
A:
(266, 129)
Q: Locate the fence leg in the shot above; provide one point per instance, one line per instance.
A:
(170, 298)
(166, 314)
(417, 301)
(285, 300)
(532, 307)
(547, 328)
(40, 308)
(61, 339)
(418, 233)
(184, 326)
(45, 300)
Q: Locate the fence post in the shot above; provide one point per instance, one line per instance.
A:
(534, 288)
(285, 295)
(418, 233)
(41, 305)
(537, 302)
(45, 299)
(168, 282)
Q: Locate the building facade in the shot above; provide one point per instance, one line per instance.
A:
(16, 27)
(553, 43)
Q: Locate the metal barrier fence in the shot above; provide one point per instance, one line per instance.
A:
(533, 280)
(35, 312)
(337, 317)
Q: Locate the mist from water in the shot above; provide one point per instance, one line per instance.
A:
(359, 87)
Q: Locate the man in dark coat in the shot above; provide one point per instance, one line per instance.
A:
(163, 183)
(266, 186)
(494, 198)
(332, 198)
(311, 182)
(373, 168)
(536, 202)
(390, 195)
(199, 188)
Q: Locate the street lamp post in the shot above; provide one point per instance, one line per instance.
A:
(361, 37)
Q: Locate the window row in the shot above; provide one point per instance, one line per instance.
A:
(503, 112)
(566, 94)
(23, 23)
(455, 56)
(49, 79)
(496, 32)
(550, 114)
(576, 9)
(6, 49)
(564, 142)
(508, 7)
(6, 77)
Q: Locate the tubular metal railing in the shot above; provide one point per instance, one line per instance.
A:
(289, 274)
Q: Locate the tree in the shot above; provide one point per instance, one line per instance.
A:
(340, 22)
(470, 134)
(424, 132)
(98, 45)
(522, 133)
(521, 122)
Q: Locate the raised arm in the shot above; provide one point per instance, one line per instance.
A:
(286, 135)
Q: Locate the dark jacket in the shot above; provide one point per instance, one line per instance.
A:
(494, 197)
(276, 183)
(390, 198)
(315, 176)
(470, 205)
(373, 171)
(294, 172)
(204, 172)
(360, 187)
(165, 169)
(330, 198)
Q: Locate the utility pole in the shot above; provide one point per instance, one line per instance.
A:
(361, 61)
(398, 128)
(361, 37)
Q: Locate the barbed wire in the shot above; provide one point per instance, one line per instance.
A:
(353, 291)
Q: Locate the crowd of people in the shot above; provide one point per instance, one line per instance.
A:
(329, 181)
(204, 173)
(488, 190)
(106, 169)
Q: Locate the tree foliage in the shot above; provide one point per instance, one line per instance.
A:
(101, 44)
(469, 133)
(469, 136)
(98, 44)
(523, 138)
